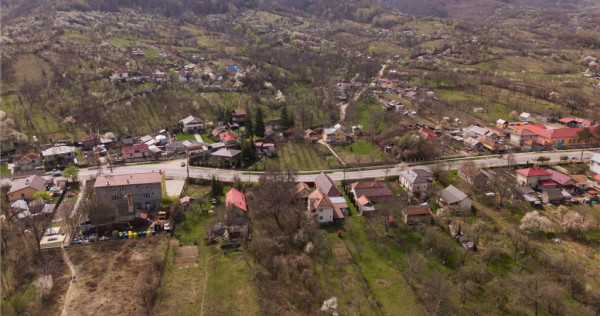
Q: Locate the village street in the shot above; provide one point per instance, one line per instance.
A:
(175, 171)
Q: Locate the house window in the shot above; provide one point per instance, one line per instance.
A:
(116, 197)
(320, 217)
(147, 195)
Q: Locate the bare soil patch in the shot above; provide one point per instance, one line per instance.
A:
(186, 257)
(109, 276)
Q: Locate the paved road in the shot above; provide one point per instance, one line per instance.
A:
(173, 168)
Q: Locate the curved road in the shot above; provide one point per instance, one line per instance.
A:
(174, 170)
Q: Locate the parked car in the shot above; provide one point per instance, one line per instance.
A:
(167, 227)
(183, 163)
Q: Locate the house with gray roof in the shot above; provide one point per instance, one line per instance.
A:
(68, 153)
(25, 188)
(191, 124)
(416, 180)
(456, 200)
(326, 185)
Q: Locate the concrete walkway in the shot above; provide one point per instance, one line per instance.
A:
(322, 142)
(198, 138)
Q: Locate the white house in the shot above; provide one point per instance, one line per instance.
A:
(191, 124)
(525, 116)
(595, 163)
(416, 180)
(320, 207)
(67, 152)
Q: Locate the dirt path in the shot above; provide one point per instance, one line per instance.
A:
(198, 138)
(72, 268)
(344, 106)
(204, 286)
(332, 151)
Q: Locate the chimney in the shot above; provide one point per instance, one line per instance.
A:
(27, 182)
(127, 180)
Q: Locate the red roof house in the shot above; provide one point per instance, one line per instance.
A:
(426, 133)
(237, 199)
(532, 176)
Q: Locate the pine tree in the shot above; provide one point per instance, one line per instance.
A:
(248, 124)
(259, 126)
(248, 151)
(220, 114)
(216, 188)
(284, 117)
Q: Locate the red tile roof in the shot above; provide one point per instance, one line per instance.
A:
(417, 210)
(371, 189)
(533, 172)
(548, 183)
(559, 133)
(581, 121)
(227, 136)
(363, 200)
(143, 148)
(560, 178)
(237, 199)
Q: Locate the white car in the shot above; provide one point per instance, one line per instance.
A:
(167, 227)
(182, 164)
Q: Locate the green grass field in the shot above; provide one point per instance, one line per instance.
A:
(302, 156)
(4, 169)
(360, 147)
(220, 285)
(182, 137)
(383, 277)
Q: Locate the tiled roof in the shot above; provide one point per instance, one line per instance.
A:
(417, 175)
(237, 199)
(417, 210)
(533, 172)
(35, 182)
(560, 178)
(363, 200)
(371, 189)
(143, 148)
(326, 185)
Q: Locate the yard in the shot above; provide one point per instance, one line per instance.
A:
(378, 286)
(360, 151)
(111, 275)
(4, 169)
(220, 283)
(183, 137)
(302, 156)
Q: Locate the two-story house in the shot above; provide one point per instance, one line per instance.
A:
(135, 151)
(57, 153)
(531, 177)
(27, 162)
(191, 124)
(336, 135)
(416, 180)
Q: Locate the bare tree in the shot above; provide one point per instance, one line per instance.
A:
(415, 264)
(37, 221)
(437, 295)
(503, 184)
